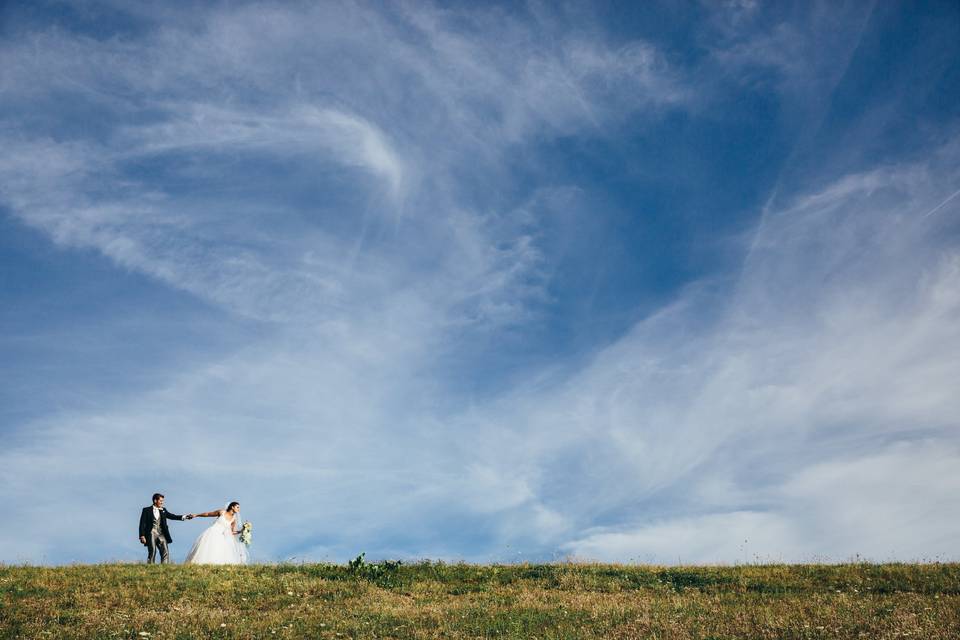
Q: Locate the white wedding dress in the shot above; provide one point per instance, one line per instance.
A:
(217, 545)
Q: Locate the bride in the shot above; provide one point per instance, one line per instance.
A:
(218, 544)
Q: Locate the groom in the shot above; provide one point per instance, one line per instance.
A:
(154, 533)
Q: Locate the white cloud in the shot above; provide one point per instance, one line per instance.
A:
(693, 540)
(303, 89)
(711, 421)
(338, 425)
(350, 139)
(891, 504)
(361, 291)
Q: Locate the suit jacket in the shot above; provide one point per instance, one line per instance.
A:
(146, 522)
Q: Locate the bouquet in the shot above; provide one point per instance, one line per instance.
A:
(246, 533)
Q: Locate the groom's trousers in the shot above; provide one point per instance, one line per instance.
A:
(156, 541)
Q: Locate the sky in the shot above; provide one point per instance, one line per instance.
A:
(661, 282)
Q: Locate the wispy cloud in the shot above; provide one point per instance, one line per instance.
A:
(364, 191)
(806, 419)
(272, 163)
(189, 105)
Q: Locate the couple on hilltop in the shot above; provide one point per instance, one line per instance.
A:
(218, 544)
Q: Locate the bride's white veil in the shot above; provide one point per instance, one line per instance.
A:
(242, 554)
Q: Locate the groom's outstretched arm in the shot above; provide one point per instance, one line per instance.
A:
(173, 516)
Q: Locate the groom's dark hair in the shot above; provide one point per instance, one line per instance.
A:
(157, 495)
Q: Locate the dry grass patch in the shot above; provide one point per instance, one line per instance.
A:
(435, 600)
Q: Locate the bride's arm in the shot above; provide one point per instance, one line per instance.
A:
(209, 514)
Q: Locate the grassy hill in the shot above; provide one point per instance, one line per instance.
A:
(435, 600)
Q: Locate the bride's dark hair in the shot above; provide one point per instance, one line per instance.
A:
(232, 505)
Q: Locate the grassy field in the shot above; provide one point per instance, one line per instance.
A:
(435, 600)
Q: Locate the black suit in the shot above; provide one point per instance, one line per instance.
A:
(155, 541)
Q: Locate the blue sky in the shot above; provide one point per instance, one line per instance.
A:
(655, 282)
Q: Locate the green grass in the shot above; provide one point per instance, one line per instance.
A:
(436, 600)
